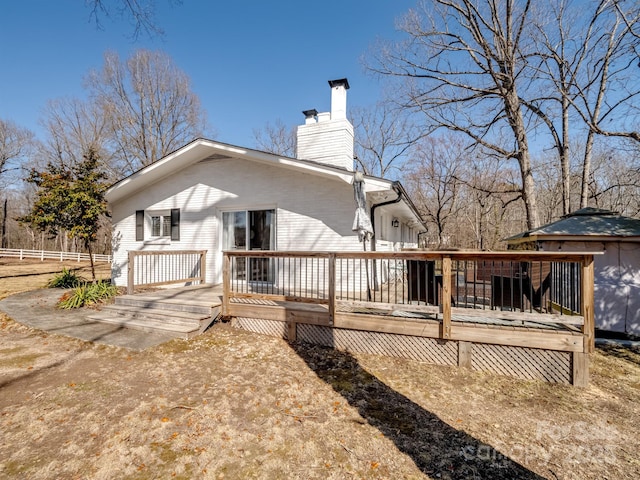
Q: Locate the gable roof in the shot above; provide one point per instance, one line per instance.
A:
(584, 224)
(202, 150)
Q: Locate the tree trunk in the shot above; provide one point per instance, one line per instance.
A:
(586, 170)
(514, 114)
(3, 244)
(93, 268)
(564, 159)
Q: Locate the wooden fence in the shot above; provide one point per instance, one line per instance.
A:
(52, 255)
(528, 314)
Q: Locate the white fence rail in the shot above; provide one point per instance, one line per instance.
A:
(49, 255)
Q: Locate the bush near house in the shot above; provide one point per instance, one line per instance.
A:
(88, 294)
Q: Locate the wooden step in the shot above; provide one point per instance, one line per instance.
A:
(144, 324)
(169, 316)
(185, 323)
(167, 304)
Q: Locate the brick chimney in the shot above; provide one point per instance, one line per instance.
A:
(328, 137)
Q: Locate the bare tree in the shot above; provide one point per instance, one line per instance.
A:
(614, 183)
(588, 55)
(75, 127)
(554, 69)
(491, 202)
(15, 145)
(462, 64)
(608, 95)
(141, 14)
(432, 178)
(383, 136)
(149, 107)
(276, 138)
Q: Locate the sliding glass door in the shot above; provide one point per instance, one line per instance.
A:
(255, 229)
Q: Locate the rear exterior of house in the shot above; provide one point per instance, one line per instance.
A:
(213, 196)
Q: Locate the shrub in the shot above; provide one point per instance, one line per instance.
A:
(88, 294)
(65, 279)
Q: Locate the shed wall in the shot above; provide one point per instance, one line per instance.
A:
(617, 282)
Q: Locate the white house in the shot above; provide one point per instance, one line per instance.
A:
(616, 271)
(214, 196)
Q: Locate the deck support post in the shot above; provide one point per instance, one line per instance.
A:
(587, 295)
(292, 331)
(130, 272)
(203, 266)
(580, 369)
(226, 283)
(464, 354)
(332, 288)
(445, 303)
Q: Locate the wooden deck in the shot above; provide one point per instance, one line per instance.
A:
(526, 314)
(513, 337)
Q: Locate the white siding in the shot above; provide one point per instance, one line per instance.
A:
(312, 212)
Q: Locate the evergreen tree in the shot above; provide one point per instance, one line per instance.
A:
(71, 200)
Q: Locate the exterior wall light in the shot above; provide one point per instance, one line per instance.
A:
(395, 223)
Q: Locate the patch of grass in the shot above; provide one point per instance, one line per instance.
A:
(88, 294)
(65, 279)
(7, 351)
(20, 360)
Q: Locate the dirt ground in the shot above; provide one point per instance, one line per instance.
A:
(233, 404)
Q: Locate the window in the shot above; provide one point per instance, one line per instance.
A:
(254, 229)
(163, 224)
(160, 225)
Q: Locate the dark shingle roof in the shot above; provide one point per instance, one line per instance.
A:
(586, 222)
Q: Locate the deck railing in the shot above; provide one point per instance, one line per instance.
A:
(154, 268)
(521, 288)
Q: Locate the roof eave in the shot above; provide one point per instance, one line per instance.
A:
(200, 149)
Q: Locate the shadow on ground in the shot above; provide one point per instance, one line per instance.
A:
(436, 448)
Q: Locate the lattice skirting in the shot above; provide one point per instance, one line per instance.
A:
(526, 363)
(392, 345)
(519, 362)
(258, 325)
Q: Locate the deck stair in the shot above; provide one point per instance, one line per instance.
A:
(187, 311)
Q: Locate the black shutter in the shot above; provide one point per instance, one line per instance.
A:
(175, 224)
(139, 225)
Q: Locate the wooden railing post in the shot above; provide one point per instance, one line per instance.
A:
(226, 283)
(445, 301)
(332, 287)
(130, 271)
(203, 267)
(587, 280)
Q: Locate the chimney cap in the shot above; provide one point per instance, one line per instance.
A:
(339, 82)
(310, 113)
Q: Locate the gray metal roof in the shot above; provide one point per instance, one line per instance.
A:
(589, 222)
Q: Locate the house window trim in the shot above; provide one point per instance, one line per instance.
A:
(169, 225)
(164, 224)
(247, 209)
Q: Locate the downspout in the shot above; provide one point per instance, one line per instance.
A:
(396, 188)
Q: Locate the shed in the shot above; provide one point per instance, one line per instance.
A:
(617, 270)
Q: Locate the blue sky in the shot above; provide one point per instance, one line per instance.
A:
(250, 62)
